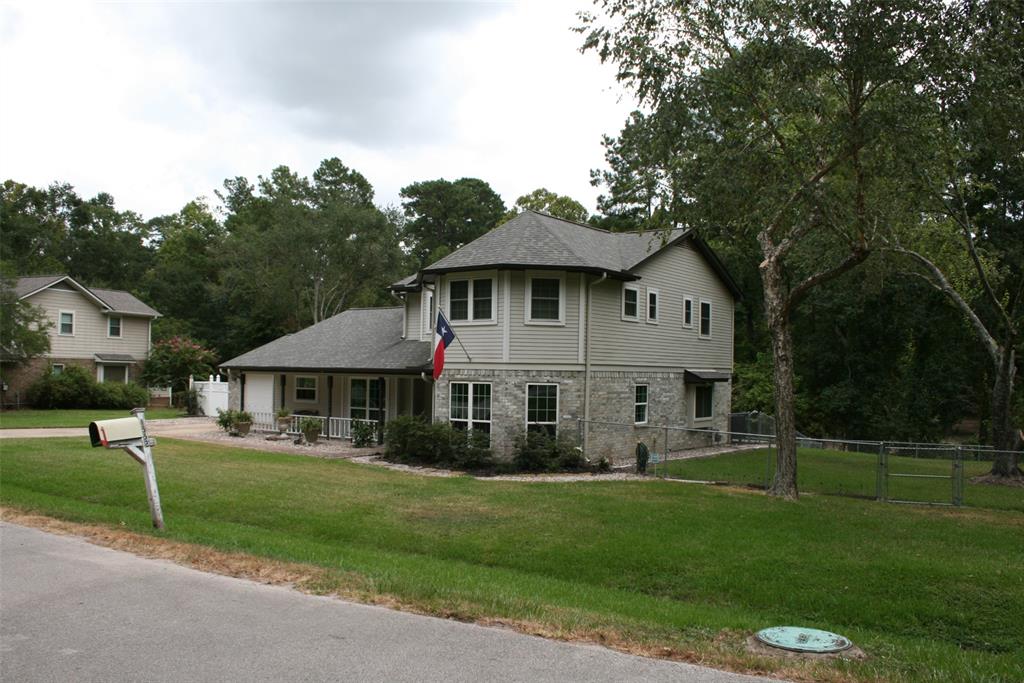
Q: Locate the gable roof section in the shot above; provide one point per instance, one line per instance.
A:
(110, 300)
(359, 339)
(537, 240)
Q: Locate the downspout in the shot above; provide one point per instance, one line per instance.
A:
(586, 360)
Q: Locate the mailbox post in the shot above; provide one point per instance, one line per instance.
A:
(129, 434)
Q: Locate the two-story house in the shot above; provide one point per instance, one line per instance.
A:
(555, 321)
(107, 331)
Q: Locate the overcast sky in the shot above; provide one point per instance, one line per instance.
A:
(158, 103)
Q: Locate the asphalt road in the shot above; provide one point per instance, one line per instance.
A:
(72, 611)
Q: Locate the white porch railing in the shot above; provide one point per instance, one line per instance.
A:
(332, 428)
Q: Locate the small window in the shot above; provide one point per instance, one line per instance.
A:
(67, 322)
(705, 318)
(545, 299)
(470, 406)
(630, 303)
(688, 312)
(471, 300)
(704, 395)
(428, 313)
(305, 389)
(640, 404)
(652, 305)
(113, 327)
(56, 368)
(542, 408)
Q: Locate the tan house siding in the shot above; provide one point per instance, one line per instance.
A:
(542, 344)
(413, 315)
(677, 272)
(90, 329)
(483, 341)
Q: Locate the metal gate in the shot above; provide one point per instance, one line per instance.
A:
(955, 478)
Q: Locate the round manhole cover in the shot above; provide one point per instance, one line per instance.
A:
(798, 639)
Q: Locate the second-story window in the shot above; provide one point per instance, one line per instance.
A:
(688, 311)
(471, 300)
(652, 305)
(113, 327)
(705, 318)
(544, 300)
(67, 322)
(630, 303)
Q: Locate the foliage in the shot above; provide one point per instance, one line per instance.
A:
(413, 440)
(75, 387)
(446, 214)
(546, 201)
(363, 433)
(282, 412)
(600, 558)
(171, 361)
(24, 328)
(228, 419)
(189, 400)
(310, 428)
(643, 455)
(541, 452)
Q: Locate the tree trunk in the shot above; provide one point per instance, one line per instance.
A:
(1004, 436)
(776, 307)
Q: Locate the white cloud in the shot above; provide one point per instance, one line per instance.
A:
(159, 106)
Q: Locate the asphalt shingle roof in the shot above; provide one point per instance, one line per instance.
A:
(363, 339)
(537, 240)
(116, 300)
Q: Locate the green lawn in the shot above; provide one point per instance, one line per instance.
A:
(930, 594)
(851, 474)
(27, 419)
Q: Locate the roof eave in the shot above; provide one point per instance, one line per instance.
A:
(596, 270)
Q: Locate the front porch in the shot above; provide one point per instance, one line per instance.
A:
(337, 400)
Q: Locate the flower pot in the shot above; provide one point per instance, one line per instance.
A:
(311, 435)
(284, 424)
(242, 428)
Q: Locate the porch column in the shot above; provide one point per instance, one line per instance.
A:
(330, 403)
(284, 394)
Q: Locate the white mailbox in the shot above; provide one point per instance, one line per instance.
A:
(116, 433)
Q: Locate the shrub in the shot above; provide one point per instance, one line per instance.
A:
(363, 434)
(110, 395)
(471, 450)
(226, 419)
(172, 360)
(540, 452)
(75, 387)
(190, 401)
(415, 441)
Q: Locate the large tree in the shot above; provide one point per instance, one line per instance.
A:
(546, 201)
(794, 125)
(23, 327)
(443, 215)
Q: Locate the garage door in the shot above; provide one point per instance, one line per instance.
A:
(259, 392)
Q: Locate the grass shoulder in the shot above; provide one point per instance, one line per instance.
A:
(67, 417)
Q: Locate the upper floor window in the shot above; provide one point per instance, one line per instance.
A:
(545, 299)
(542, 408)
(428, 310)
(652, 305)
(113, 327)
(705, 318)
(305, 389)
(630, 302)
(640, 404)
(688, 311)
(471, 300)
(67, 322)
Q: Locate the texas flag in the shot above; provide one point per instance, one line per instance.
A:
(443, 336)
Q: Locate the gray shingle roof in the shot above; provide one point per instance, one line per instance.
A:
(116, 300)
(363, 339)
(537, 240)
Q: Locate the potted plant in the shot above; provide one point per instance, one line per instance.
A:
(310, 428)
(243, 423)
(284, 419)
(226, 419)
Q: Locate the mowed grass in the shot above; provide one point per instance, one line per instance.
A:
(30, 419)
(852, 474)
(930, 594)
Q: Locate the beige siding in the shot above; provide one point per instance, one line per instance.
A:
(544, 344)
(482, 341)
(90, 333)
(677, 272)
(413, 315)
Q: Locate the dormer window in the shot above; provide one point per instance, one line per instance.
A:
(114, 326)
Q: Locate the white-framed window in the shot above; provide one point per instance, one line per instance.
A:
(469, 406)
(56, 368)
(471, 300)
(116, 374)
(545, 299)
(67, 323)
(428, 310)
(653, 302)
(114, 326)
(630, 302)
(306, 388)
(688, 311)
(542, 408)
(640, 399)
(366, 399)
(703, 401)
(705, 319)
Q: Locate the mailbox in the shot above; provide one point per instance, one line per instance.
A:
(115, 433)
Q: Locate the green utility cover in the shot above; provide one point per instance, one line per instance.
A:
(800, 639)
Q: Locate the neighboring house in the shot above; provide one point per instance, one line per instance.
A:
(106, 331)
(557, 321)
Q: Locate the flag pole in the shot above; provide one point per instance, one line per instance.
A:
(461, 345)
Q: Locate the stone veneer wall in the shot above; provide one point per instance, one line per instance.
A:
(611, 400)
